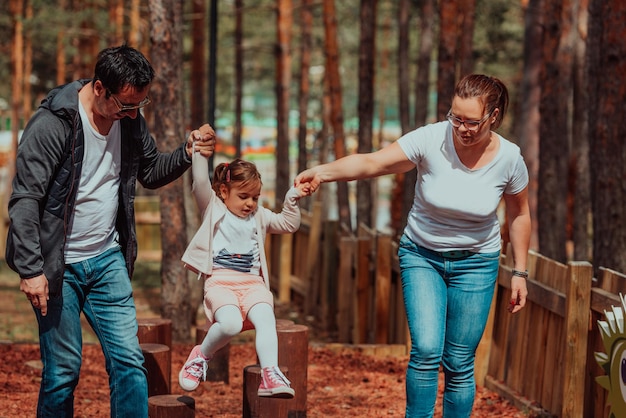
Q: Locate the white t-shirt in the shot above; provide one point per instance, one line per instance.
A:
(454, 207)
(235, 245)
(92, 227)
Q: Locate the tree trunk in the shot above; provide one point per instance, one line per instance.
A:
(28, 62)
(404, 80)
(331, 49)
(60, 52)
(166, 52)
(605, 69)
(422, 94)
(425, 51)
(17, 67)
(450, 19)
(211, 95)
(466, 57)
(398, 217)
(553, 129)
(116, 17)
(238, 128)
(306, 42)
(527, 118)
(580, 144)
(198, 62)
(135, 32)
(367, 52)
(283, 81)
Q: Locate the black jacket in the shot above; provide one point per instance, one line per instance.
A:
(48, 170)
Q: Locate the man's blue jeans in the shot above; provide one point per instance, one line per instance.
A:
(101, 289)
(447, 300)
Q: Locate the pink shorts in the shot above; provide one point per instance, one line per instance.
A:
(230, 287)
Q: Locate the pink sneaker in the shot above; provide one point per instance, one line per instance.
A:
(194, 370)
(274, 384)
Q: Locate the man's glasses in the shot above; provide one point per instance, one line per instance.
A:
(470, 125)
(127, 107)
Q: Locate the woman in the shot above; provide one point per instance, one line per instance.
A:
(450, 248)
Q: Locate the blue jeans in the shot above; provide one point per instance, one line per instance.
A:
(101, 289)
(447, 298)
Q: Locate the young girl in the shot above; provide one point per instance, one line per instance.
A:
(228, 252)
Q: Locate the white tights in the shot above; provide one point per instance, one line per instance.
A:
(228, 323)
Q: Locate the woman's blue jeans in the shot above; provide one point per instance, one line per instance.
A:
(101, 289)
(447, 298)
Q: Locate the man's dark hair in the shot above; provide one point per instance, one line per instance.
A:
(122, 65)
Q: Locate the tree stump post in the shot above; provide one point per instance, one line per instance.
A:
(293, 352)
(154, 331)
(157, 361)
(171, 406)
(255, 406)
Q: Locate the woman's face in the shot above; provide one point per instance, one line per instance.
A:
(240, 199)
(471, 125)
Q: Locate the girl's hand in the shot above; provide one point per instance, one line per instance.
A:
(202, 140)
(304, 189)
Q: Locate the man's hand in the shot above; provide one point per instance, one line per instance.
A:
(201, 140)
(36, 290)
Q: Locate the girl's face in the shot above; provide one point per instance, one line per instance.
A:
(241, 199)
(474, 126)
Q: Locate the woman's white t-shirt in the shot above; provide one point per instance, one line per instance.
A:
(455, 207)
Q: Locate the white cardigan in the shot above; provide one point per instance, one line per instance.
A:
(198, 256)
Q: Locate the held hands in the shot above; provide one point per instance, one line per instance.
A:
(36, 290)
(304, 189)
(201, 140)
(309, 179)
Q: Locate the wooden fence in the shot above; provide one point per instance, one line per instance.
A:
(541, 359)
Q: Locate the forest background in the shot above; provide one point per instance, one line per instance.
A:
(320, 79)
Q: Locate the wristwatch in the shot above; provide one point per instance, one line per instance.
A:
(519, 273)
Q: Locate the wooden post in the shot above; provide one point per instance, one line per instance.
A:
(283, 323)
(345, 289)
(171, 406)
(383, 288)
(313, 265)
(362, 298)
(483, 351)
(577, 314)
(293, 353)
(155, 331)
(255, 406)
(158, 364)
(218, 366)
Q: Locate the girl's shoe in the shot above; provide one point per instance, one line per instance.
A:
(274, 384)
(194, 370)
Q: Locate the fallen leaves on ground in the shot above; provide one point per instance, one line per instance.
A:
(340, 383)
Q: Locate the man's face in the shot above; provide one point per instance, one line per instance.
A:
(124, 103)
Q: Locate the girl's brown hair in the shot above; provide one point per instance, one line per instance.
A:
(491, 91)
(239, 171)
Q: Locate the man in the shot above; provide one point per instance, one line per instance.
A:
(72, 235)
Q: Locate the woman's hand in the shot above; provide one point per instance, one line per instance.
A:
(518, 294)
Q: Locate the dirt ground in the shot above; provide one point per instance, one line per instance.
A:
(340, 384)
(341, 381)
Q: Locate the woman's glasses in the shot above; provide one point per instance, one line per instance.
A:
(470, 125)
